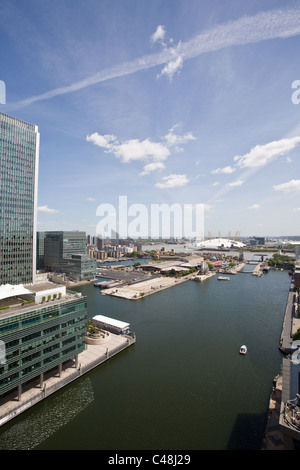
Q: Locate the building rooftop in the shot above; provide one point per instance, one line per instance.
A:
(8, 290)
(16, 304)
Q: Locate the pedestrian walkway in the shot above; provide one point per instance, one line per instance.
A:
(11, 406)
(273, 437)
(286, 339)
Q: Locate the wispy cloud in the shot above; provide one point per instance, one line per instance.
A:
(226, 170)
(159, 34)
(152, 167)
(261, 155)
(235, 183)
(281, 23)
(293, 185)
(173, 181)
(258, 157)
(47, 210)
(255, 206)
(176, 141)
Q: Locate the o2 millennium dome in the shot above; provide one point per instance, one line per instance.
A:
(219, 244)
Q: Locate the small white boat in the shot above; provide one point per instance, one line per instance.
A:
(243, 349)
(223, 278)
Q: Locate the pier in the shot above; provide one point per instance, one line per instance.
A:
(146, 287)
(12, 406)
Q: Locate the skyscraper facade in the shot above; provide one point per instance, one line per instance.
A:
(19, 156)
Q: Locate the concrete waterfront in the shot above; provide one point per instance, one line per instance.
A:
(273, 439)
(150, 286)
(11, 406)
(146, 285)
(290, 324)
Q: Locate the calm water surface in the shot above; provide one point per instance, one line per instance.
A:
(183, 385)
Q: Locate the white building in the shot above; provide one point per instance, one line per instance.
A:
(219, 244)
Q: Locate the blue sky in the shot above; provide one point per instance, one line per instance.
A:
(161, 101)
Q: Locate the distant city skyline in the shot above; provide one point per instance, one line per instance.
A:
(187, 103)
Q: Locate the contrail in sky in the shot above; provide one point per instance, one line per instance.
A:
(246, 30)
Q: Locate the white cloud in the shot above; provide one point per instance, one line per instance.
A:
(154, 153)
(152, 167)
(130, 150)
(293, 185)
(105, 141)
(174, 140)
(172, 67)
(141, 150)
(46, 210)
(90, 199)
(261, 155)
(159, 34)
(296, 209)
(255, 206)
(281, 23)
(235, 183)
(226, 170)
(173, 181)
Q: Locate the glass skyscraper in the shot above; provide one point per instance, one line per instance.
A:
(19, 155)
(66, 252)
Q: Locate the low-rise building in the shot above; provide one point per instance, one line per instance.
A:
(41, 327)
(289, 420)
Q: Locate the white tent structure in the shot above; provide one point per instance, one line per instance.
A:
(8, 290)
(219, 244)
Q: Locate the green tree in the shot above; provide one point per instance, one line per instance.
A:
(296, 335)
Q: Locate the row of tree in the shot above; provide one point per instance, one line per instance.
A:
(281, 261)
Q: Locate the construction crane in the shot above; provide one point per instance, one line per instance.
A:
(236, 236)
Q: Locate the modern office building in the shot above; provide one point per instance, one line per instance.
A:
(19, 155)
(42, 328)
(42, 325)
(40, 250)
(66, 252)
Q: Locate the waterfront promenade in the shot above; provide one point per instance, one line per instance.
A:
(11, 406)
(273, 437)
(290, 323)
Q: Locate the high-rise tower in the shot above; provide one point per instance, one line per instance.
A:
(19, 157)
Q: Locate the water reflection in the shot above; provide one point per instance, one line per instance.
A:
(46, 418)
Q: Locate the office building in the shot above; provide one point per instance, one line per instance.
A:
(40, 250)
(66, 252)
(19, 154)
(41, 327)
